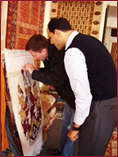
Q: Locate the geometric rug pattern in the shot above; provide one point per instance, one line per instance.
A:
(78, 13)
(112, 146)
(25, 19)
(114, 53)
(84, 16)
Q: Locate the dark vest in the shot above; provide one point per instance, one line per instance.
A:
(101, 68)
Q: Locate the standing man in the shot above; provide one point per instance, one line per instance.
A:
(54, 74)
(93, 79)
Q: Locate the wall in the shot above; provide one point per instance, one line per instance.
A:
(105, 4)
(46, 17)
(4, 8)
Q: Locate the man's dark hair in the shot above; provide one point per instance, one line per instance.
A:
(37, 43)
(59, 23)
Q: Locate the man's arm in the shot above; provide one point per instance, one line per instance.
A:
(75, 65)
(56, 76)
(53, 73)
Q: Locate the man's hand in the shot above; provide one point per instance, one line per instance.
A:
(29, 67)
(73, 135)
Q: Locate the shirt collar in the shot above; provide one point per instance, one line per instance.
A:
(70, 39)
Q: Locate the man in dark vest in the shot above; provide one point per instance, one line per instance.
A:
(93, 79)
(54, 74)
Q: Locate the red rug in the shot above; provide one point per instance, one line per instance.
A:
(114, 53)
(25, 18)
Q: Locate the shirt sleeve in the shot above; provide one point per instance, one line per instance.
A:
(76, 68)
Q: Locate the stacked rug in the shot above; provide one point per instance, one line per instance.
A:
(59, 104)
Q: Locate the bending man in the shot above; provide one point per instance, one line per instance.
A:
(93, 79)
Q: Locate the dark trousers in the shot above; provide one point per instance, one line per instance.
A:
(98, 127)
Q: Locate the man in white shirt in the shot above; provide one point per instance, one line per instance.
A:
(93, 79)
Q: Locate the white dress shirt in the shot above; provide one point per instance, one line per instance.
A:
(76, 68)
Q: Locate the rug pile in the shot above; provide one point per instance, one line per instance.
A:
(60, 103)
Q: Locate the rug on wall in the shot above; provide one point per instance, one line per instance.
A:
(114, 53)
(84, 16)
(25, 19)
(78, 13)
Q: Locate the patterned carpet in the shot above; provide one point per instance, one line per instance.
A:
(25, 18)
(60, 108)
(114, 53)
(84, 16)
(112, 146)
(60, 103)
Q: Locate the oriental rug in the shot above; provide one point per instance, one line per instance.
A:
(59, 104)
(26, 101)
(78, 13)
(25, 19)
(84, 16)
(112, 146)
(114, 53)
